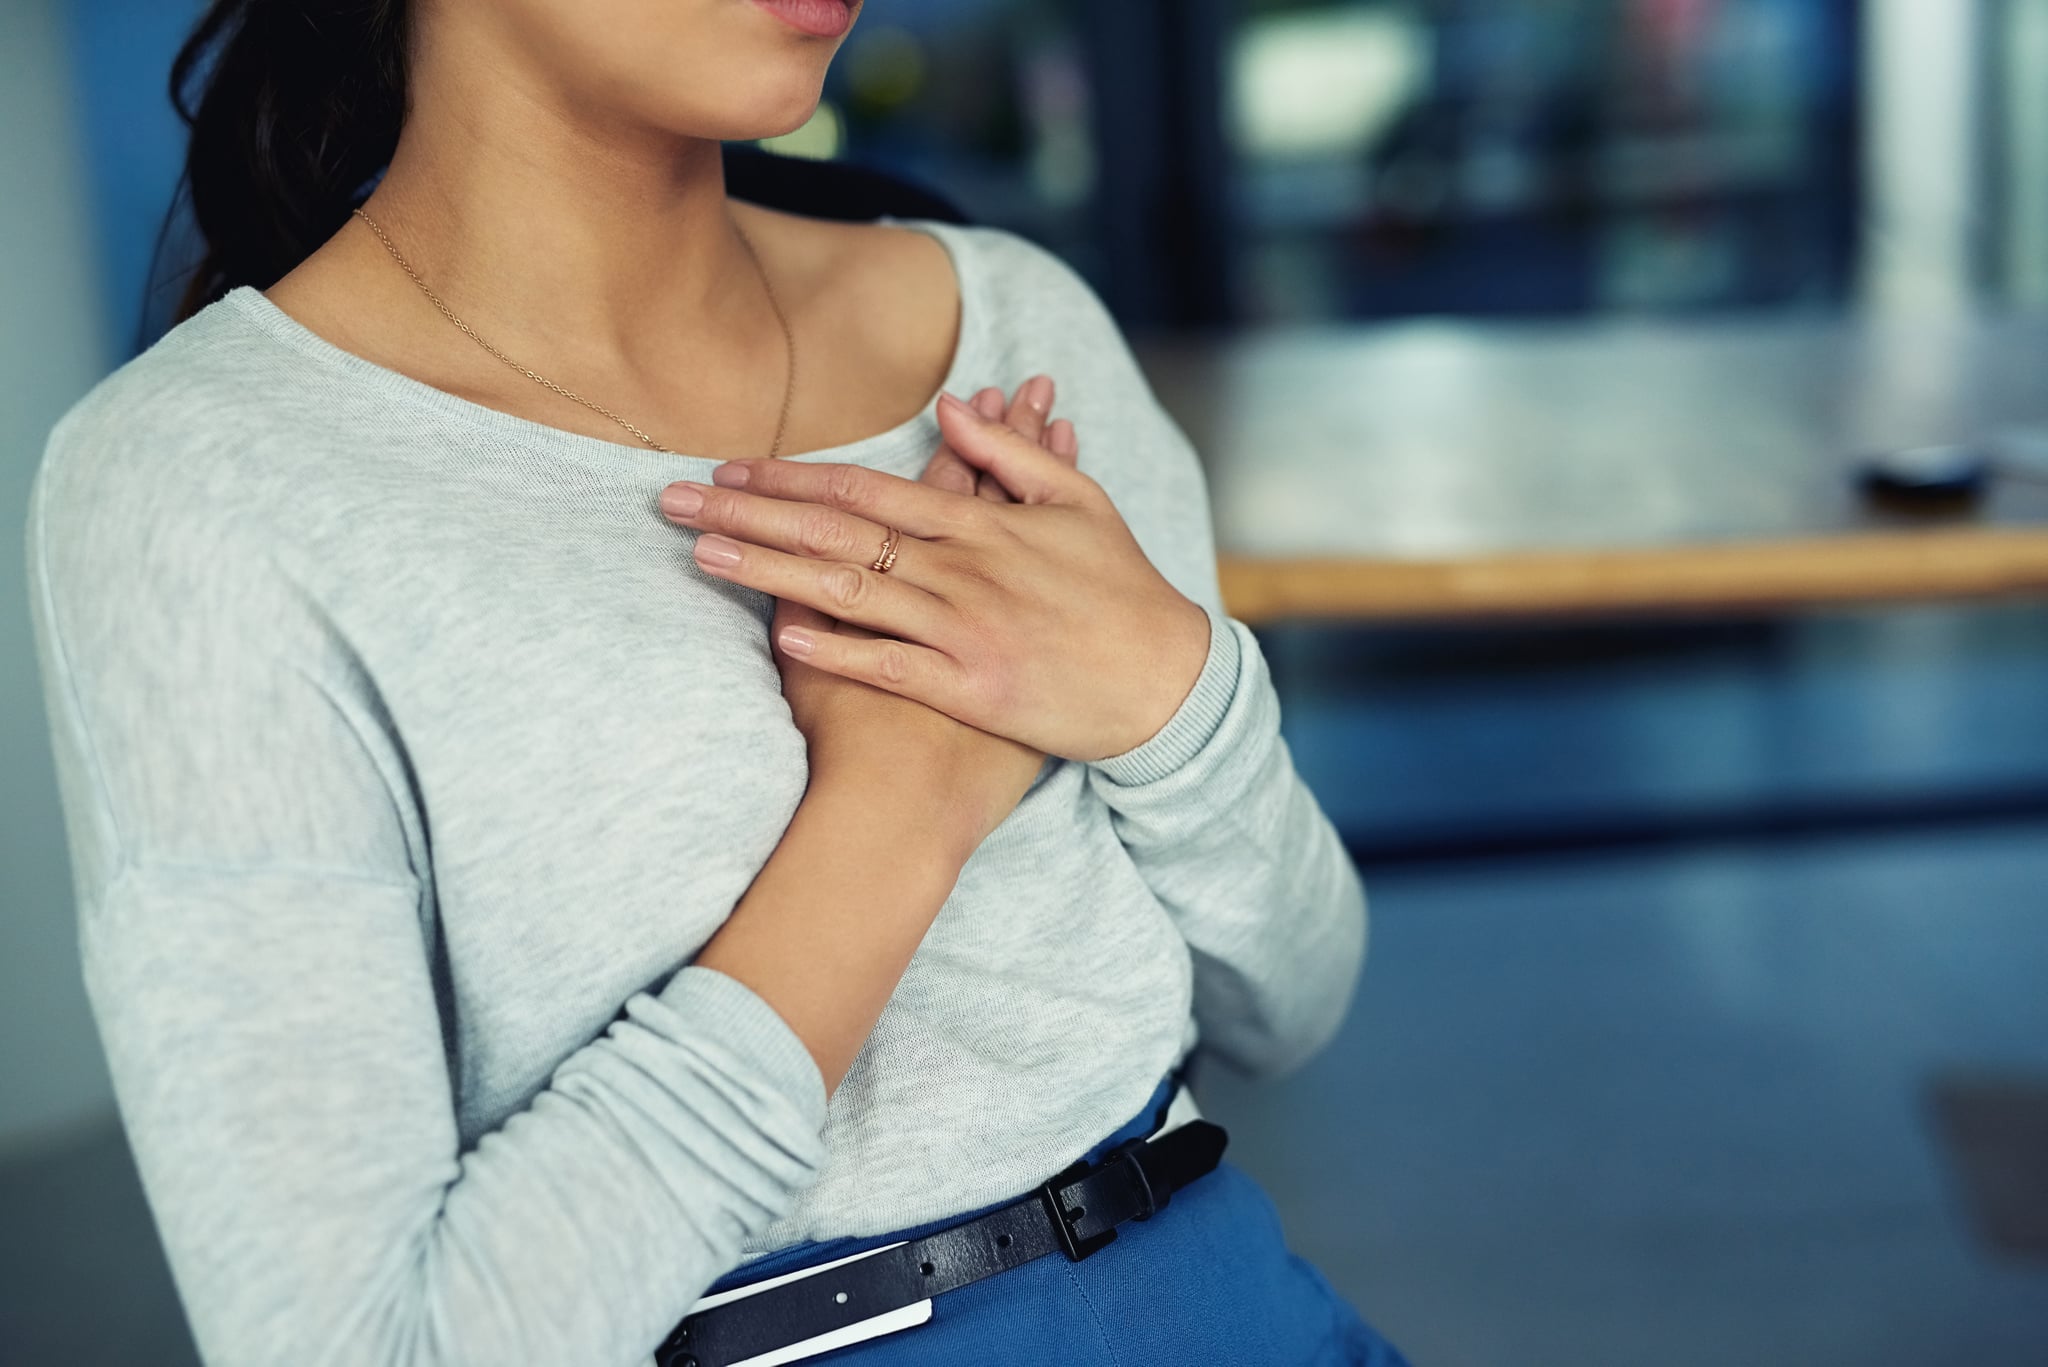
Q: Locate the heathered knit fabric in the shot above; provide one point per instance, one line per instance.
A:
(407, 760)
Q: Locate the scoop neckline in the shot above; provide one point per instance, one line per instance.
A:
(915, 432)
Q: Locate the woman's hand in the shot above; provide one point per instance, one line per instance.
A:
(862, 732)
(1026, 413)
(1039, 619)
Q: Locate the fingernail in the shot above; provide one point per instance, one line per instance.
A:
(681, 500)
(713, 549)
(947, 400)
(1038, 392)
(732, 475)
(796, 640)
(989, 403)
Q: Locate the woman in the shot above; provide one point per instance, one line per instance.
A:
(497, 942)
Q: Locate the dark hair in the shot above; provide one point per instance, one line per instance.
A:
(294, 107)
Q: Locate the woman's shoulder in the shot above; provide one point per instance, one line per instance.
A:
(1040, 312)
(1025, 286)
(167, 490)
(892, 288)
(177, 423)
(1029, 287)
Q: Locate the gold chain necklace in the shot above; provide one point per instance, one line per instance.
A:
(788, 341)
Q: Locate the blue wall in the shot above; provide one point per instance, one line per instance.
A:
(120, 56)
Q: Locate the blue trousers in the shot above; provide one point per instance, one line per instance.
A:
(1207, 1280)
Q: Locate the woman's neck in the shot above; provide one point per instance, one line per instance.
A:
(617, 241)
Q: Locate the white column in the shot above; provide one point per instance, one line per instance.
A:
(2023, 87)
(1923, 155)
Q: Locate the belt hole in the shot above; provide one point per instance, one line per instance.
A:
(926, 1268)
(1002, 1241)
(1077, 1212)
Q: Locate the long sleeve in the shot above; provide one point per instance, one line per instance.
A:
(1211, 809)
(1237, 848)
(259, 950)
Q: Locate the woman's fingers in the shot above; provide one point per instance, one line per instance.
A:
(913, 671)
(890, 500)
(874, 599)
(779, 518)
(1025, 414)
(806, 529)
(989, 403)
(790, 613)
(1028, 411)
(946, 470)
(1025, 417)
(1031, 473)
(1061, 441)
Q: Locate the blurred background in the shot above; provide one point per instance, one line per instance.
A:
(1536, 349)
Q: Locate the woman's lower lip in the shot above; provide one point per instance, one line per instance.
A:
(820, 18)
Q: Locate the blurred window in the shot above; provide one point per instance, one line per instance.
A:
(1540, 156)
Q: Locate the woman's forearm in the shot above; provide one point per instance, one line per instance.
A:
(833, 918)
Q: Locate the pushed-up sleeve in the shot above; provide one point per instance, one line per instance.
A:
(257, 947)
(1211, 809)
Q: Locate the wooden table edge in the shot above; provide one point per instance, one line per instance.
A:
(1846, 568)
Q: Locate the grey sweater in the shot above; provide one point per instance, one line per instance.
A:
(407, 760)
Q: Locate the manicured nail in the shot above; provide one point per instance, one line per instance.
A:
(1038, 392)
(721, 551)
(989, 403)
(732, 475)
(682, 500)
(797, 641)
(946, 400)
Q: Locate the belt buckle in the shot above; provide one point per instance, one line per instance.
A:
(1063, 1219)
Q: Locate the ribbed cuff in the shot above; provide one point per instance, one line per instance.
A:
(718, 1006)
(1193, 723)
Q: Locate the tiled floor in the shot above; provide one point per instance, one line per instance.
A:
(1663, 1104)
(1671, 1108)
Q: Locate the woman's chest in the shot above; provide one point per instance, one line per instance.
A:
(601, 759)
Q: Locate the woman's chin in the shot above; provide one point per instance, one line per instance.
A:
(765, 120)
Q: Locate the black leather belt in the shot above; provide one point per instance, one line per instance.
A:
(1075, 1212)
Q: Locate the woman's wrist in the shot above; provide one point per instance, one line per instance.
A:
(919, 807)
(1173, 664)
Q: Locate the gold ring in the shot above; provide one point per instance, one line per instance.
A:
(887, 558)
